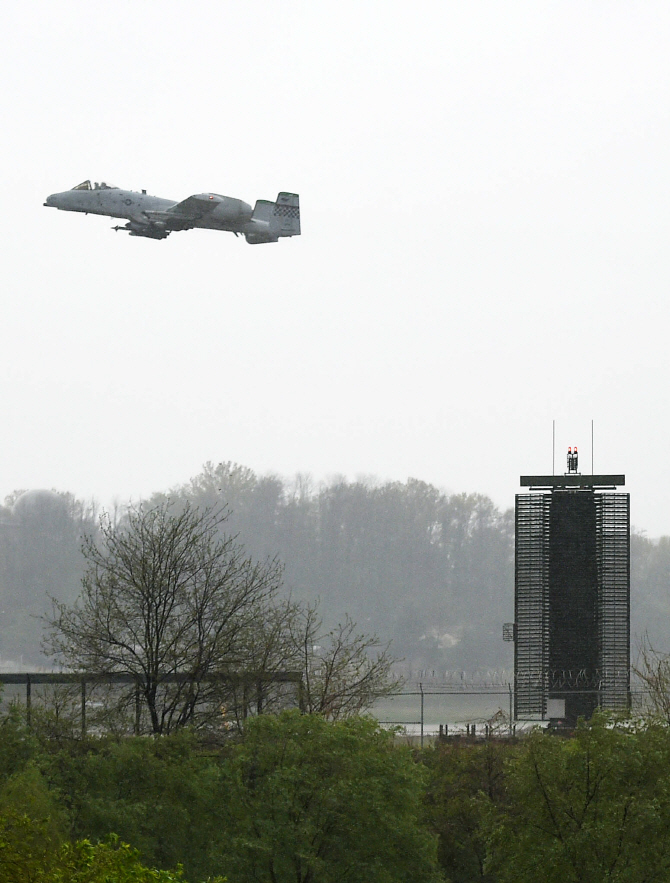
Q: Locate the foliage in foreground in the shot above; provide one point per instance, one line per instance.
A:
(464, 779)
(588, 807)
(28, 855)
(594, 807)
(312, 800)
(298, 798)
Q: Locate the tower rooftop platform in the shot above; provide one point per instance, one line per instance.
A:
(572, 480)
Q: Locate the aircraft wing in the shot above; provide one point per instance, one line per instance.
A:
(195, 207)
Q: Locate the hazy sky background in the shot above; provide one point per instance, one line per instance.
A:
(485, 211)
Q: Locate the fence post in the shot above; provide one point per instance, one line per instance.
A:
(28, 700)
(511, 707)
(137, 708)
(83, 708)
(421, 688)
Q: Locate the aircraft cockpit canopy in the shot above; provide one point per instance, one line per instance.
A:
(86, 185)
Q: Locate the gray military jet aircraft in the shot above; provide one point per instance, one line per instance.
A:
(156, 218)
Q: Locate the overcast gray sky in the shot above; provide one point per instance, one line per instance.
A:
(485, 211)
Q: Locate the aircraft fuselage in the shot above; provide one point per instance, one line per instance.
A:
(229, 214)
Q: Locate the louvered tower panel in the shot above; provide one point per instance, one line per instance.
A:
(613, 554)
(531, 604)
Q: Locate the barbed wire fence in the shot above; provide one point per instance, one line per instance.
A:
(480, 704)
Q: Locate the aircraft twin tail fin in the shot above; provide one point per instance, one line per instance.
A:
(281, 217)
(285, 218)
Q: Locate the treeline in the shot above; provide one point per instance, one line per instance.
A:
(41, 534)
(431, 571)
(298, 798)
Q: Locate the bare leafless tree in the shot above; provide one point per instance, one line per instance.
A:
(653, 670)
(344, 671)
(168, 599)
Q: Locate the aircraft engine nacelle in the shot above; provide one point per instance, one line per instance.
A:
(229, 209)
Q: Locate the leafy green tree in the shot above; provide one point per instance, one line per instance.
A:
(464, 780)
(26, 850)
(591, 808)
(305, 800)
(28, 856)
(17, 743)
(157, 794)
(107, 862)
(28, 793)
